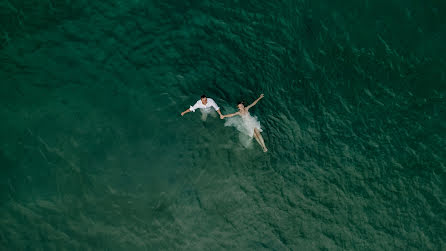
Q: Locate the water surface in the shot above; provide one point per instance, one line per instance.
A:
(95, 155)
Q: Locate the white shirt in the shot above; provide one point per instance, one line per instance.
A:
(209, 104)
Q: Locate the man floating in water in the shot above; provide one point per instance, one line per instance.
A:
(204, 104)
(250, 125)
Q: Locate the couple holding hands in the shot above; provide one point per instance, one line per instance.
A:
(251, 126)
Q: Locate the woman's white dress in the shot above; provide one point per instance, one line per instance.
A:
(245, 124)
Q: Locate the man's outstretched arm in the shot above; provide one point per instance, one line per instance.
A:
(219, 113)
(213, 104)
(192, 108)
(182, 114)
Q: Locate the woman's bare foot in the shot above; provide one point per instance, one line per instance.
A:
(265, 149)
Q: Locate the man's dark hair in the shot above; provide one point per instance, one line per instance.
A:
(241, 102)
(203, 96)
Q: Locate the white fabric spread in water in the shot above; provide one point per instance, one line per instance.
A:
(245, 124)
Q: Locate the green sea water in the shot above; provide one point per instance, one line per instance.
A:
(94, 154)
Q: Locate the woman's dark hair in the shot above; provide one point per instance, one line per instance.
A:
(241, 102)
(203, 96)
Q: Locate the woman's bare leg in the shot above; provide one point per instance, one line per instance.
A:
(260, 139)
(257, 138)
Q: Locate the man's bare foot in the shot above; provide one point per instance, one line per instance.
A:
(265, 149)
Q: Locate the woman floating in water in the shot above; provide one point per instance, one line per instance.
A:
(250, 124)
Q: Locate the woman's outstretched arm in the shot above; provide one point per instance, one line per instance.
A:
(230, 115)
(255, 102)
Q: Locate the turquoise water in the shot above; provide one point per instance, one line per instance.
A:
(94, 154)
